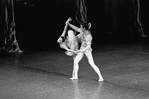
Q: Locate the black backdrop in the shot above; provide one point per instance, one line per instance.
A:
(40, 22)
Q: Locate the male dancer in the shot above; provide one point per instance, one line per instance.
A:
(86, 41)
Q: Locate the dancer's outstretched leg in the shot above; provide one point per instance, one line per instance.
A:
(91, 62)
(77, 59)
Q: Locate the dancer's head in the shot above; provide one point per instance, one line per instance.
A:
(86, 26)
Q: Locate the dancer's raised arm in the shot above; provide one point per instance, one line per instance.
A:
(72, 26)
(64, 31)
(60, 39)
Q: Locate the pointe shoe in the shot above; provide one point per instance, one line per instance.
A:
(73, 78)
(101, 80)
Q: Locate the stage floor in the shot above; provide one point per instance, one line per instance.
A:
(41, 74)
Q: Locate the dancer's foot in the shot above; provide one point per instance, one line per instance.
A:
(101, 80)
(73, 78)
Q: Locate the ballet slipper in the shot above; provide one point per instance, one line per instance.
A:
(73, 78)
(101, 80)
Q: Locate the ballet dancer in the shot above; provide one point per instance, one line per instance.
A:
(70, 44)
(86, 41)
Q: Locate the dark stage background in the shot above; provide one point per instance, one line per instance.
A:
(39, 23)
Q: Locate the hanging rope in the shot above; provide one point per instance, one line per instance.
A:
(81, 12)
(10, 42)
(139, 23)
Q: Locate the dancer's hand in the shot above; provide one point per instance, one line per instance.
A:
(68, 20)
(76, 51)
(71, 51)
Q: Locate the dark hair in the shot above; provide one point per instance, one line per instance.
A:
(63, 38)
(87, 26)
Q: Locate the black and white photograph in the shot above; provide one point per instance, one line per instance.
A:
(74, 49)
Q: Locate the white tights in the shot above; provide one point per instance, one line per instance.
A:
(77, 59)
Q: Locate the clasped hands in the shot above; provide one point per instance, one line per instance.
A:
(76, 52)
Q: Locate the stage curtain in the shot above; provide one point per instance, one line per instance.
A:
(122, 17)
(81, 12)
(114, 17)
(9, 42)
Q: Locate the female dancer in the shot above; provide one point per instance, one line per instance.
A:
(70, 43)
